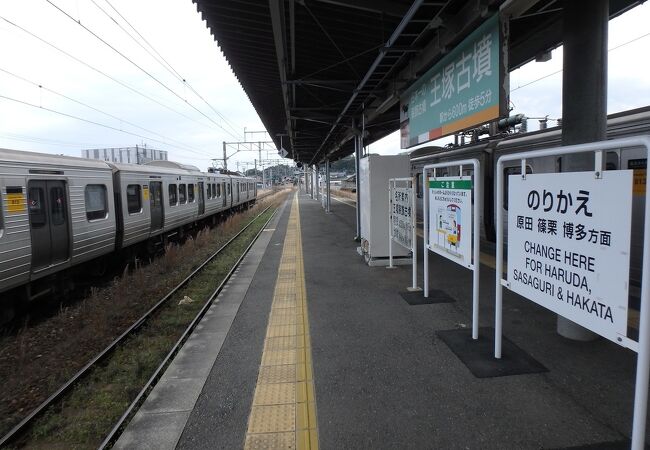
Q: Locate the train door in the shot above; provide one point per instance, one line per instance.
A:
(201, 199)
(223, 192)
(156, 204)
(48, 222)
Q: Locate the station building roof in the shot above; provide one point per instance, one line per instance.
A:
(313, 68)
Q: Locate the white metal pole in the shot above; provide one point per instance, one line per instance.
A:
(643, 357)
(425, 229)
(478, 201)
(327, 187)
(498, 297)
(390, 223)
(317, 178)
(414, 235)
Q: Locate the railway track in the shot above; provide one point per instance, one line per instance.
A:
(20, 429)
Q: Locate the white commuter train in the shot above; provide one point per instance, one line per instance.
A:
(57, 212)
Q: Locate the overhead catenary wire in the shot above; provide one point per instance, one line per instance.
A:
(139, 67)
(40, 86)
(72, 116)
(561, 70)
(159, 58)
(101, 72)
(37, 140)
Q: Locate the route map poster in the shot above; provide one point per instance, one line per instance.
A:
(450, 218)
(569, 245)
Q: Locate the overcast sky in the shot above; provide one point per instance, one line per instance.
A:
(162, 112)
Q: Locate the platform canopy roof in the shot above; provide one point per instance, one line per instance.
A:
(313, 68)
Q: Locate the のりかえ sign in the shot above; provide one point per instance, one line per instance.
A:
(450, 218)
(569, 245)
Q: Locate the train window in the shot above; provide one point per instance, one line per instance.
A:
(173, 195)
(507, 171)
(190, 193)
(612, 161)
(36, 211)
(156, 196)
(182, 194)
(219, 190)
(57, 206)
(209, 190)
(133, 198)
(214, 190)
(96, 202)
(228, 189)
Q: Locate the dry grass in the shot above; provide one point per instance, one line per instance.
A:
(39, 359)
(344, 193)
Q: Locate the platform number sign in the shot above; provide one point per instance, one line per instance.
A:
(569, 245)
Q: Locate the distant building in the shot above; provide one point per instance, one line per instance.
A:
(126, 155)
(350, 183)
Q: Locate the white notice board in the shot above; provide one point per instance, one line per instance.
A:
(569, 245)
(401, 223)
(450, 218)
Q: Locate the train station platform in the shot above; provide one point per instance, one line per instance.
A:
(308, 347)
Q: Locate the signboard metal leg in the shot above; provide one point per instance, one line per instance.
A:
(498, 295)
(327, 186)
(390, 225)
(643, 362)
(478, 201)
(414, 237)
(357, 171)
(425, 229)
(643, 357)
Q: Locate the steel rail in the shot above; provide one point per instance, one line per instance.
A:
(114, 433)
(27, 421)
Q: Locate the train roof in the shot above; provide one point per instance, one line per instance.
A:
(145, 168)
(174, 165)
(634, 121)
(427, 152)
(46, 159)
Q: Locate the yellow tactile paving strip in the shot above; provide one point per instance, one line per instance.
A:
(283, 414)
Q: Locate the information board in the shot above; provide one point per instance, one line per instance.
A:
(450, 218)
(402, 221)
(569, 245)
(464, 89)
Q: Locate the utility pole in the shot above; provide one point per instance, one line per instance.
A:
(225, 158)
